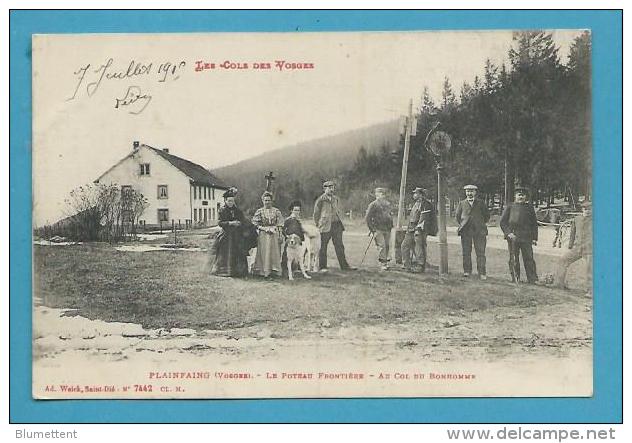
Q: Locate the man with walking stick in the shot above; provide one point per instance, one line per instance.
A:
(379, 219)
(520, 226)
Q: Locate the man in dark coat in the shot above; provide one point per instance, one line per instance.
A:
(472, 216)
(328, 220)
(520, 226)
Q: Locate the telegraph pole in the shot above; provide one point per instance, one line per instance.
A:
(400, 231)
(402, 183)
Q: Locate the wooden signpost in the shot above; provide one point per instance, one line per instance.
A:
(439, 143)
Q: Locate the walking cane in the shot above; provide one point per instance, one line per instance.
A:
(512, 262)
(372, 234)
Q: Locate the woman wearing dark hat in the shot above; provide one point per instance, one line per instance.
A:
(269, 222)
(520, 226)
(231, 245)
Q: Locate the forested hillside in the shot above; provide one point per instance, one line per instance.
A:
(528, 120)
(300, 169)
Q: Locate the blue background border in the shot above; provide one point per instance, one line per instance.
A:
(604, 407)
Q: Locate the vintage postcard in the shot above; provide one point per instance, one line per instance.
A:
(312, 215)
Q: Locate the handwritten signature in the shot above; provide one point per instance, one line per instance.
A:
(132, 96)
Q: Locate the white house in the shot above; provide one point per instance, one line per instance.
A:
(177, 189)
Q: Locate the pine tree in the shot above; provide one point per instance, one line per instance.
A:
(448, 99)
(427, 104)
(491, 77)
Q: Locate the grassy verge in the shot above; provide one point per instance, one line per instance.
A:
(165, 289)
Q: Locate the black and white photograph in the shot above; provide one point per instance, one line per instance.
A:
(312, 215)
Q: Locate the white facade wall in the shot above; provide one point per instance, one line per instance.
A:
(200, 203)
(161, 172)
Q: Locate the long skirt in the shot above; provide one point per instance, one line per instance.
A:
(228, 256)
(268, 258)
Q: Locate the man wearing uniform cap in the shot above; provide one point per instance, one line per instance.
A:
(472, 216)
(328, 220)
(580, 246)
(379, 219)
(520, 226)
(421, 216)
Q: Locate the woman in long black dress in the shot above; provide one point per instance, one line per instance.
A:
(232, 243)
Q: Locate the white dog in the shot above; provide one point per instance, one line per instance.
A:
(312, 247)
(295, 251)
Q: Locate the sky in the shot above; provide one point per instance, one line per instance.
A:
(94, 95)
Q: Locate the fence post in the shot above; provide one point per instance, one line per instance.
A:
(173, 228)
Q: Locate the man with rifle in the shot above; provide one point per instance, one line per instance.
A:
(379, 219)
(520, 226)
(422, 222)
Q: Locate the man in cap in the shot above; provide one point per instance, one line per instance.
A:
(328, 220)
(419, 222)
(580, 246)
(379, 219)
(520, 226)
(472, 216)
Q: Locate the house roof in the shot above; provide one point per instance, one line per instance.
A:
(195, 172)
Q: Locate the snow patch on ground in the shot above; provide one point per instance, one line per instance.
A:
(143, 237)
(50, 243)
(147, 248)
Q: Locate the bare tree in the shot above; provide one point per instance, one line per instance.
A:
(83, 205)
(108, 203)
(133, 205)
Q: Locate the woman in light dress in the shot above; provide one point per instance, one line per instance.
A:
(269, 223)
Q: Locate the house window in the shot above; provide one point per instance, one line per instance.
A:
(195, 215)
(205, 215)
(213, 190)
(144, 169)
(162, 191)
(204, 192)
(194, 192)
(126, 190)
(163, 215)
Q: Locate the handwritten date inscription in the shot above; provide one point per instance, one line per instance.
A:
(89, 79)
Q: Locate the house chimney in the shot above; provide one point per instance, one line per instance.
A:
(166, 150)
(136, 145)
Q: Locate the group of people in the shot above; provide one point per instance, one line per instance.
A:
(267, 229)
(519, 225)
